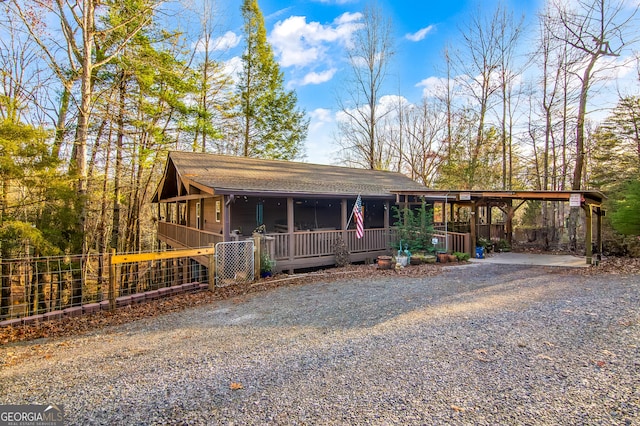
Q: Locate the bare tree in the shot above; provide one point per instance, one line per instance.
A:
(369, 58)
(214, 86)
(508, 36)
(478, 62)
(425, 151)
(593, 30)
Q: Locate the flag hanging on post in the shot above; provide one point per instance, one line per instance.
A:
(357, 213)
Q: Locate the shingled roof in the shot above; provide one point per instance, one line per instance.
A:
(188, 174)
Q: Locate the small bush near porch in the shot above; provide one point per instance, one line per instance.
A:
(414, 228)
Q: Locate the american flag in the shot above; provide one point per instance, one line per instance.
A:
(357, 213)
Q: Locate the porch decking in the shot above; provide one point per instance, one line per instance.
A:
(309, 249)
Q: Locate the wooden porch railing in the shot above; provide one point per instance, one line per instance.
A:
(322, 243)
(307, 244)
(186, 237)
(453, 241)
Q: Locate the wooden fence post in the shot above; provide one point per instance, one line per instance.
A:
(112, 282)
(212, 270)
(257, 255)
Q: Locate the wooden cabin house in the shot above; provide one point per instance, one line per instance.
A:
(302, 208)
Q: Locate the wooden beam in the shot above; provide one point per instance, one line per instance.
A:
(141, 257)
(587, 233)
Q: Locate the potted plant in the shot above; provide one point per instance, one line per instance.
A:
(402, 260)
(266, 265)
(503, 246)
(384, 262)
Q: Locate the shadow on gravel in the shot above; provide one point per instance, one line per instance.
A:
(367, 302)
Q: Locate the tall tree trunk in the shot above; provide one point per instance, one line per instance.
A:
(582, 112)
(61, 122)
(115, 225)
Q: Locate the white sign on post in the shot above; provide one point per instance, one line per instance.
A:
(575, 200)
(465, 196)
(434, 240)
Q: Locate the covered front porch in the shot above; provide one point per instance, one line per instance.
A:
(300, 232)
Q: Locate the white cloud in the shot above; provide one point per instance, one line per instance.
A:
(225, 42)
(319, 142)
(388, 103)
(318, 77)
(319, 118)
(347, 18)
(420, 35)
(233, 66)
(339, 2)
(300, 43)
(228, 41)
(433, 86)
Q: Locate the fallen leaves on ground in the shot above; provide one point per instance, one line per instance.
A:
(236, 386)
(83, 324)
(78, 325)
(614, 265)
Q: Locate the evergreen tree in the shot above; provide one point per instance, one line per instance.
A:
(616, 151)
(272, 126)
(624, 217)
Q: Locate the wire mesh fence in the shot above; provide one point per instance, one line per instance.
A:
(235, 263)
(40, 285)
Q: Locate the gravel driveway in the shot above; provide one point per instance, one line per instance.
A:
(479, 344)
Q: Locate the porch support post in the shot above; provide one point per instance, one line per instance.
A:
(387, 222)
(405, 206)
(587, 233)
(489, 215)
(343, 218)
(509, 225)
(291, 229)
(599, 230)
(472, 222)
(226, 218)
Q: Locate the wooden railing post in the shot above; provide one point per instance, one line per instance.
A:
(257, 255)
(112, 281)
(467, 245)
(212, 269)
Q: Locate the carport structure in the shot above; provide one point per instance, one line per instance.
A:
(509, 201)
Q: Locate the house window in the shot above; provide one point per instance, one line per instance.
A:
(218, 211)
(198, 215)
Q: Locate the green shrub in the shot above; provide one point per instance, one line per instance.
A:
(461, 256)
(414, 227)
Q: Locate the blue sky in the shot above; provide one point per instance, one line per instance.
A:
(309, 39)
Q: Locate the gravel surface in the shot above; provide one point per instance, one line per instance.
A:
(477, 344)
